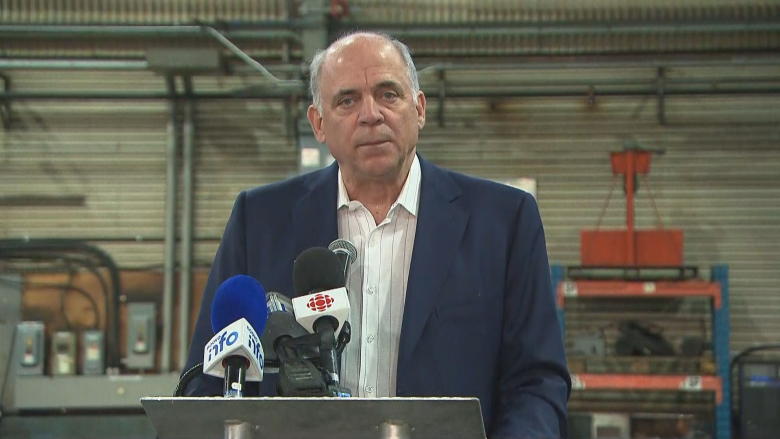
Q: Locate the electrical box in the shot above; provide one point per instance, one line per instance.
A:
(92, 353)
(63, 353)
(611, 425)
(29, 348)
(759, 398)
(141, 335)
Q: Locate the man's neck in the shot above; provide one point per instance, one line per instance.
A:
(375, 193)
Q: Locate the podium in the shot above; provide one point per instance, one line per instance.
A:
(315, 418)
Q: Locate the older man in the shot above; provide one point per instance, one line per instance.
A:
(451, 292)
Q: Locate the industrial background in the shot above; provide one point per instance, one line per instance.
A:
(129, 127)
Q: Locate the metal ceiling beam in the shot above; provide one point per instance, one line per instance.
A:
(271, 31)
(566, 29)
(424, 67)
(71, 64)
(650, 90)
(533, 63)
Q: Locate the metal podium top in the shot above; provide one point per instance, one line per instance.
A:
(315, 418)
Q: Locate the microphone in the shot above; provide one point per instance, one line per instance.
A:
(235, 352)
(323, 305)
(281, 326)
(346, 252)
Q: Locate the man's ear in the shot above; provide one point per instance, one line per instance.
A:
(420, 109)
(315, 119)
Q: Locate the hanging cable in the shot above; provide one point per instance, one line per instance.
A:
(243, 55)
(10, 247)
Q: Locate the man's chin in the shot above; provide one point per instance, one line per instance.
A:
(380, 168)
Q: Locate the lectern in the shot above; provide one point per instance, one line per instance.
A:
(315, 418)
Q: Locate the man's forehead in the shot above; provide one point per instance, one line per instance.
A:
(363, 42)
(373, 65)
(364, 51)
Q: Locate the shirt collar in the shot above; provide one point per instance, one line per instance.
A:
(409, 197)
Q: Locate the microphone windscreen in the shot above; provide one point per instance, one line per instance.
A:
(239, 297)
(342, 245)
(317, 269)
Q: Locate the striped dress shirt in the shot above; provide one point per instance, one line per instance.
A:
(377, 287)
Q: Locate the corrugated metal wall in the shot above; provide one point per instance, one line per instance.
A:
(112, 153)
(409, 11)
(719, 181)
(530, 27)
(720, 178)
(450, 11)
(139, 11)
(240, 144)
(490, 28)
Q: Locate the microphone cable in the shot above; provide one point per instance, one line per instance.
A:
(194, 372)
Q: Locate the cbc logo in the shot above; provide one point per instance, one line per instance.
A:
(320, 302)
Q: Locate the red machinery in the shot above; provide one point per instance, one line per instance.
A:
(630, 247)
(603, 253)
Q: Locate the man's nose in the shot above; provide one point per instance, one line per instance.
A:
(370, 113)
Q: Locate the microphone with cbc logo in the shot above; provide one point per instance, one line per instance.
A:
(323, 305)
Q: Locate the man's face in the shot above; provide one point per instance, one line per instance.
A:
(369, 117)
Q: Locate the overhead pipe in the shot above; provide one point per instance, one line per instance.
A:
(72, 64)
(136, 239)
(532, 64)
(185, 282)
(126, 65)
(267, 32)
(617, 82)
(169, 276)
(563, 29)
(256, 93)
(423, 67)
(649, 90)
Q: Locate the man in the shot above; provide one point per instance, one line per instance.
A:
(451, 293)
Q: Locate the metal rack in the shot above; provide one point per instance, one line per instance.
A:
(717, 289)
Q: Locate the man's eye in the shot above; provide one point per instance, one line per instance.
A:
(390, 95)
(347, 101)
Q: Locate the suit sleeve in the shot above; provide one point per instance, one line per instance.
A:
(534, 382)
(229, 261)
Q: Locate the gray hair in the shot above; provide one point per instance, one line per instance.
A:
(315, 68)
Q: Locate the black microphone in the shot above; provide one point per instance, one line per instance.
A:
(322, 305)
(346, 252)
(281, 326)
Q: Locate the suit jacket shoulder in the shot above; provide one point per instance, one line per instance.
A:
(498, 201)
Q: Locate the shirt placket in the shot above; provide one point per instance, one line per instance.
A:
(371, 288)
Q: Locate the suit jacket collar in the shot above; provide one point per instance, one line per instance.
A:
(314, 215)
(440, 226)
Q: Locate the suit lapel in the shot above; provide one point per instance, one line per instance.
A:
(314, 216)
(440, 227)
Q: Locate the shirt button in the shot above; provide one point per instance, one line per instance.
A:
(369, 389)
(370, 338)
(374, 241)
(371, 289)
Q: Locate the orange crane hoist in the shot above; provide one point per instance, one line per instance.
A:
(630, 247)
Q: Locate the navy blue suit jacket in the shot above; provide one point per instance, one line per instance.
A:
(479, 318)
